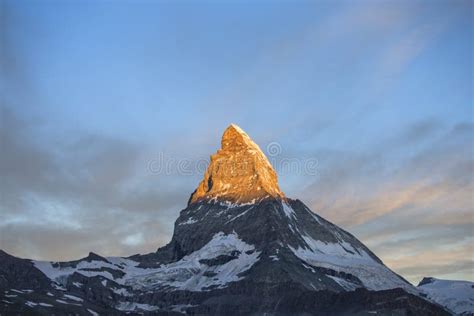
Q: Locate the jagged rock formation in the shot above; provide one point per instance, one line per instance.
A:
(240, 247)
(239, 172)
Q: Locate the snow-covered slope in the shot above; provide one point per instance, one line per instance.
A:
(457, 296)
(344, 258)
(319, 245)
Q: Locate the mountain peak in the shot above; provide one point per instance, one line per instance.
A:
(234, 139)
(239, 172)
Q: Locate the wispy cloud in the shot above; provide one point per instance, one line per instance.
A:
(451, 261)
(52, 196)
(401, 202)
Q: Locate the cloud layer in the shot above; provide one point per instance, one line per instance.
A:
(76, 197)
(407, 208)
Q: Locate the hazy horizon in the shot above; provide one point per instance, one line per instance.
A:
(111, 110)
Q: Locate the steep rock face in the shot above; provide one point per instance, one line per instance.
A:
(292, 243)
(239, 172)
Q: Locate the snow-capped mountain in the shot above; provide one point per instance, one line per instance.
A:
(240, 247)
(457, 296)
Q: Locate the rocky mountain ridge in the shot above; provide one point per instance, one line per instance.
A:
(236, 249)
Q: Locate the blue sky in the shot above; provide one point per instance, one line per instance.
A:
(378, 92)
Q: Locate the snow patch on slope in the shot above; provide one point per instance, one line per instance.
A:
(188, 273)
(343, 257)
(289, 212)
(458, 296)
(348, 286)
(191, 274)
(239, 215)
(136, 307)
(60, 274)
(189, 221)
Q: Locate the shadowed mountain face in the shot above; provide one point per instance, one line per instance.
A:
(240, 247)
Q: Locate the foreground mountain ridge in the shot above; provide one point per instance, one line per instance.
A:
(239, 247)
